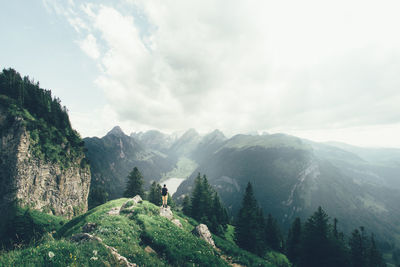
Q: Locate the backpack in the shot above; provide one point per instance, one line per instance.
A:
(164, 191)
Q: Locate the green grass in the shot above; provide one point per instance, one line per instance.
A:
(239, 255)
(230, 233)
(130, 233)
(278, 259)
(27, 226)
(60, 253)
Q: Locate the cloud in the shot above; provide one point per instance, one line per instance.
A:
(90, 47)
(246, 65)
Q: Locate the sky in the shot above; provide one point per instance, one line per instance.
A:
(322, 70)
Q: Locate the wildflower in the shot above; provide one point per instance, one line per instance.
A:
(51, 254)
(95, 252)
(94, 258)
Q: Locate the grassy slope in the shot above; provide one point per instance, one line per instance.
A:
(130, 233)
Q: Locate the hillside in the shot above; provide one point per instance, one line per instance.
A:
(125, 232)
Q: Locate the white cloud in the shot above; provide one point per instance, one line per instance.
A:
(90, 47)
(247, 65)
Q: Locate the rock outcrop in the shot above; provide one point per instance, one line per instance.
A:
(177, 223)
(202, 231)
(167, 213)
(85, 237)
(34, 182)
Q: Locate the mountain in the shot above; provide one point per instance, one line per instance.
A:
(42, 160)
(155, 140)
(292, 177)
(131, 232)
(115, 155)
(208, 145)
(186, 144)
(385, 162)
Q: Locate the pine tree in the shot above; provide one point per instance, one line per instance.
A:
(357, 245)
(196, 200)
(154, 195)
(293, 241)
(249, 230)
(186, 206)
(315, 245)
(272, 234)
(201, 200)
(207, 194)
(218, 217)
(374, 257)
(135, 184)
(171, 202)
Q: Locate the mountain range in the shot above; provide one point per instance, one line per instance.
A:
(291, 176)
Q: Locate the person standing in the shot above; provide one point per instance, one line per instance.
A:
(164, 194)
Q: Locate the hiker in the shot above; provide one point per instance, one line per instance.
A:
(164, 193)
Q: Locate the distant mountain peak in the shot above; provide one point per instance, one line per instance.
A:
(117, 131)
(190, 134)
(216, 134)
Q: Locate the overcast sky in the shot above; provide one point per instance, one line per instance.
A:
(323, 70)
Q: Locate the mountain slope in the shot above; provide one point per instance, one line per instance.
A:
(138, 234)
(292, 177)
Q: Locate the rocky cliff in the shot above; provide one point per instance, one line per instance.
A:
(35, 182)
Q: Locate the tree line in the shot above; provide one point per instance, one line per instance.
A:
(43, 115)
(315, 243)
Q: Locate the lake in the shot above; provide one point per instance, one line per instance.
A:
(172, 184)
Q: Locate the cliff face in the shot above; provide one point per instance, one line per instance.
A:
(35, 183)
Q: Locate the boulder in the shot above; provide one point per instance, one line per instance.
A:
(84, 237)
(167, 213)
(149, 250)
(123, 261)
(114, 211)
(202, 231)
(131, 203)
(177, 223)
(89, 227)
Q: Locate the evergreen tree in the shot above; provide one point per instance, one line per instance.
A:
(205, 206)
(374, 256)
(186, 206)
(201, 200)
(135, 184)
(154, 195)
(207, 194)
(219, 217)
(315, 245)
(293, 242)
(249, 231)
(273, 236)
(357, 245)
(171, 202)
(196, 200)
